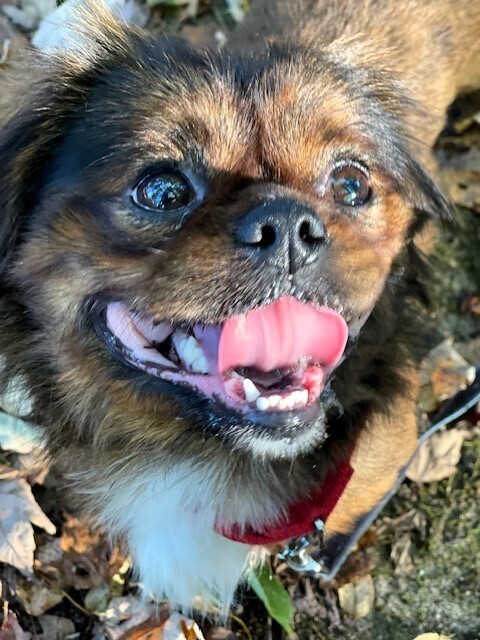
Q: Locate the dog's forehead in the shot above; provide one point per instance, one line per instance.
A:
(238, 116)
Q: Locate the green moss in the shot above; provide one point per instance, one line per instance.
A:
(443, 595)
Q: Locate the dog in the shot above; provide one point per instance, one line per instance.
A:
(211, 281)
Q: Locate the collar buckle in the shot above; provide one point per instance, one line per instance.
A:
(298, 551)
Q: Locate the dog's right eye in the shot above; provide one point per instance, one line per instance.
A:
(164, 191)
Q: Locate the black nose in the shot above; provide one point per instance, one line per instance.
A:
(283, 233)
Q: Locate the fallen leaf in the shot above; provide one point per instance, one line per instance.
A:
(38, 598)
(176, 627)
(88, 560)
(437, 457)
(7, 473)
(11, 629)
(55, 628)
(18, 511)
(402, 554)
(470, 303)
(357, 598)
(432, 636)
(443, 372)
(17, 435)
(31, 13)
(125, 614)
(463, 187)
(15, 399)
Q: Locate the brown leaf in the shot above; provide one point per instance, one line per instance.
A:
(55, 628)
(7, 473)
(432, 636)
(175, 627)
(402, 554)
(88, 560)
(18, 511)
(125, 615)
(443, 372)
(470, 303)
(357, 598)
(11, 629)
(438, 456)
(463, 188)
(37, 598)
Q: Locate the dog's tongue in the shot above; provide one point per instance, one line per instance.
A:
(276, 336)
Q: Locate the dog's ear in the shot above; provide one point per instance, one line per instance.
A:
(53, 87)
(427, 196)
(20, 180)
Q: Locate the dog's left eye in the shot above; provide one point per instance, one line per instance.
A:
(350, 185)
(164, 191)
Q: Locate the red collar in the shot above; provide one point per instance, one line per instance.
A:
(301, 515)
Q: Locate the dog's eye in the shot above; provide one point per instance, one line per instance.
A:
(163, 191)
(350, 186)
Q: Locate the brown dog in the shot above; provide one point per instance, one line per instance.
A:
(210, 282)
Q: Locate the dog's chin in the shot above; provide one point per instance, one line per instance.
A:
(259, 382)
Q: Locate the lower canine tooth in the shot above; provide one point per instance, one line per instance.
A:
(251, 391)
(262, 404)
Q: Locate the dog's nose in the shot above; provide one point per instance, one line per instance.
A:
(283, 232)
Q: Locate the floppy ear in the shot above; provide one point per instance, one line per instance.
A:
(53, 88)
(21, 176)
(427, 197)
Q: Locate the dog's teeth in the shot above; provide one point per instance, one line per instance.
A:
(298, 398)
(282, 404)
(291, 401)
(274, 400)
(200, 365)
(262, 403)
(180, 342)
(304, 397)
(251, 391)
(190, 352)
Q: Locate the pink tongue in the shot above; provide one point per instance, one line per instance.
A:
(276, 336)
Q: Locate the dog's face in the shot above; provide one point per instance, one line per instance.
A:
(195, 241)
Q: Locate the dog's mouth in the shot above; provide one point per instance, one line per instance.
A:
(274, 359)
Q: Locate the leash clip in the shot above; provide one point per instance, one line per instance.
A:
(298, 552)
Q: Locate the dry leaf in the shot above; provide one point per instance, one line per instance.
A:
(357, 598)
(88, 560)
(161, 627)
(443, 372)
(177, 627)
(55, 628)
(7, 473)
(18, 511)
(402, 556)
(11, 629)
(17, 435)
(437, 457)
(31, 13)
(16, 399)
(37, 598)
(463, 187)
(125, 614)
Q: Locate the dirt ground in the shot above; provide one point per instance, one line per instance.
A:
(415, 571)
